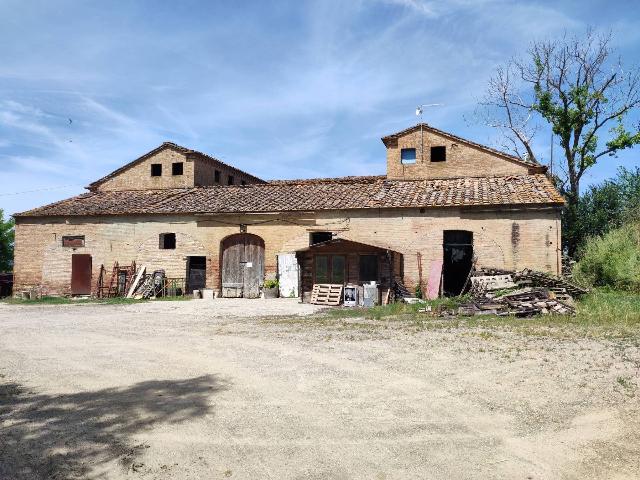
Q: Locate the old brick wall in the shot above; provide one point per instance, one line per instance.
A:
(462, 160)
(138, 177)
(506, 239)
(197, 171)
(205, 174)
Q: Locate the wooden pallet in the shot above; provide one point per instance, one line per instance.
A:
(326, 294)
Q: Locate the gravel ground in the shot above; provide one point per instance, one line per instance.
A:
(224, 389)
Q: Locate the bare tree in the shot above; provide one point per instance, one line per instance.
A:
(505, 109)
(579, 89)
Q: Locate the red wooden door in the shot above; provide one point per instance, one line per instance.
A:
(242, 265)
(80, 274)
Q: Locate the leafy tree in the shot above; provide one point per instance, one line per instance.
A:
(6, 243)
(604, 207)
(576, 87)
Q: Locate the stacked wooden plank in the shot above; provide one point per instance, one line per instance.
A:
(521, 294)
(326, 294)
(541, 279)
(525, 302)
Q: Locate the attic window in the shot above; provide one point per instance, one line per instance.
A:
(438, 154)
(230, 180)
(177, 168)
(408, 155)
(216, 176)
(319, 237)
(156, 169)
(73, 241)
(167, 241)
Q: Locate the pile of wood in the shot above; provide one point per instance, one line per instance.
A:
(525, 302)
(148, 285)
(520, 294)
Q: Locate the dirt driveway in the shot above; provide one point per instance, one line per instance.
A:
(194, 390)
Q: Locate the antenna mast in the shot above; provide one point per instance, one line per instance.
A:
(419, 110)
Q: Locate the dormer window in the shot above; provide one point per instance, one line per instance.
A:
(156, 169)
(439, 154)
(408, 156)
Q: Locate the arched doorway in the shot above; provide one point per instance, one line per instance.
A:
(242, 265)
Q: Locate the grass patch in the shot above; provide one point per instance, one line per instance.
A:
(603, 313)
(84, 301)
(395, 309)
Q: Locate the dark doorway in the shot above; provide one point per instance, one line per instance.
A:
(196, 273)
(457, 261)
(242, 265)
(80, 274)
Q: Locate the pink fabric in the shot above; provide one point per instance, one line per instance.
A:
(433, 282)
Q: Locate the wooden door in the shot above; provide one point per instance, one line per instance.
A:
(242, 265)
(80, 274)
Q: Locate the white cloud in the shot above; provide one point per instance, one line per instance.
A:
(287, 90)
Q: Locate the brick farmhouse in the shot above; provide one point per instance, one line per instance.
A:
(443, 199)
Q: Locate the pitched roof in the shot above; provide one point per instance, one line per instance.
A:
(177, 148)
(387, 140)
(309, 195)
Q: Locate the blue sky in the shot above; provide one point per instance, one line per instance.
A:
(282, 89)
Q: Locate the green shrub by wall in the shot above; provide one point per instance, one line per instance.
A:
(612, 260)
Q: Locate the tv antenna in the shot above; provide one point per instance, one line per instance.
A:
(420, 108)
(419, 111)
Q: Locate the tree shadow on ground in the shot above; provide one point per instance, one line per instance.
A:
(72, 435)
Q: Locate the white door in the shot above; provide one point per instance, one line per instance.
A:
(288, 274)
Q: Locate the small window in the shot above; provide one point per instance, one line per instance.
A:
(242, 182)
(230, 180)
(438, 154)
(156, 169)
(73, 241)
(408, 155)
(319, 237)
(167, 241)
(368, 268)
(177, 168)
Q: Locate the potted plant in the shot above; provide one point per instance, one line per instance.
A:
(271, 288)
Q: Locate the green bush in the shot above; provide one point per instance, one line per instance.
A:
(612, 260)
(271, 283)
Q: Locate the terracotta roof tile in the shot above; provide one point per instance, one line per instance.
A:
(321, 194)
